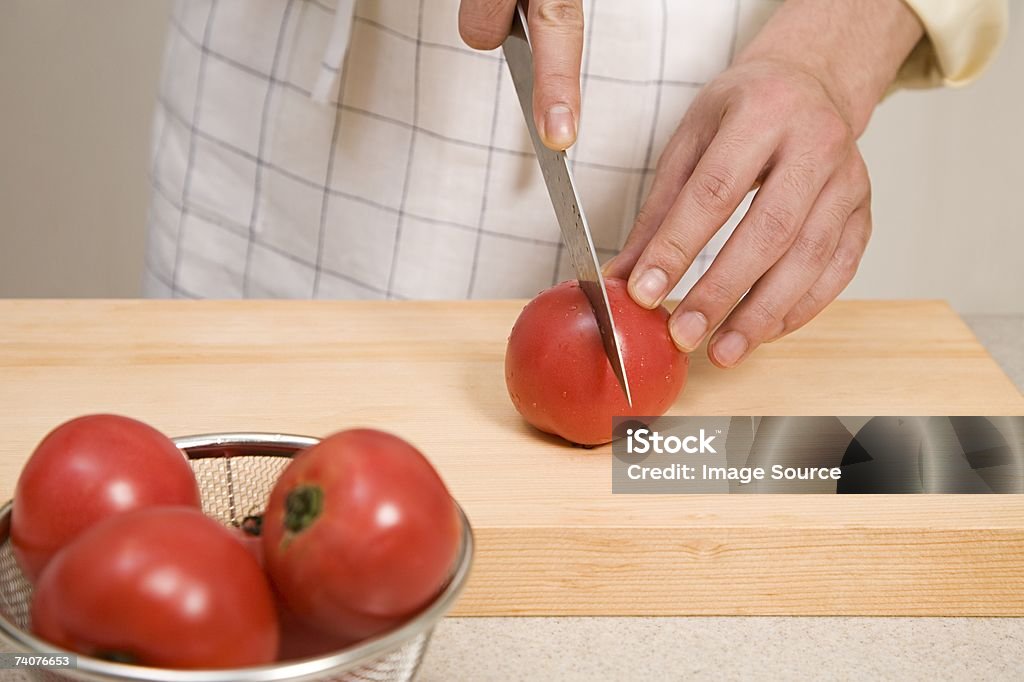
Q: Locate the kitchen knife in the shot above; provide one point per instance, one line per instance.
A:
(575, 233)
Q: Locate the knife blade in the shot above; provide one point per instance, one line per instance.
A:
(566, 201)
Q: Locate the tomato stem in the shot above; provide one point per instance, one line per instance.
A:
(302, 507)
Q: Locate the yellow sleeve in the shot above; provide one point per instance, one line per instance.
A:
(960, 39)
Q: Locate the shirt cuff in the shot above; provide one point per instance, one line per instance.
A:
(961, 38)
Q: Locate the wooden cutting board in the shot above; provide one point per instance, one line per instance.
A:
(552, 538)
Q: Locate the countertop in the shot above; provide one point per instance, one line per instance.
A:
(592, 648)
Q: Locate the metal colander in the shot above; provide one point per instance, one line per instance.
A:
(235, 472)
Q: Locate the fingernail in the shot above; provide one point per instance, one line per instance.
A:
(649, 287)
(729, 348)
(688, 329)
(559, 126)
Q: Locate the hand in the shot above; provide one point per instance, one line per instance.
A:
(800, 242)
(556, 35)
(785, 123)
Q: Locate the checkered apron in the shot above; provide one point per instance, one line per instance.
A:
(358, 149)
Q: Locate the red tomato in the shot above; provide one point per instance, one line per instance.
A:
(298, 640)
(161, 586)
(86, 470)
(359, 533)
(249, 534)
(559, 378)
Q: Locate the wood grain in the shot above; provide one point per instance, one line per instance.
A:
(552, 537)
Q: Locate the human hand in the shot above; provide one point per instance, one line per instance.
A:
(785, 121)
(556, 36)
(800, 242)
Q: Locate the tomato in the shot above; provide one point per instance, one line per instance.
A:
(559, 377)
(160, 586)
(301, 640)
(86, 470)
(249, 534)
(359, 533)
(298, 639)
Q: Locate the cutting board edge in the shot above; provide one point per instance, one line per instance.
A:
(752, 572)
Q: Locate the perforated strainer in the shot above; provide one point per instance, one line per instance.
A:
(235, 472)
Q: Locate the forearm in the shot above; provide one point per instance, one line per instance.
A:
(854, 47)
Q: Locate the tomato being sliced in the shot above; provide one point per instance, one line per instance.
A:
(86, 470)
(559, 377)
(160, 586)
(359, 533)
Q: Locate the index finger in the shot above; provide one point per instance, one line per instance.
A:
(721, 179)
(556, 36)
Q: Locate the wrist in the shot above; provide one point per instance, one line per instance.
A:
(854, 48)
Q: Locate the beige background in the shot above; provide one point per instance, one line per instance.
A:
(78, 79)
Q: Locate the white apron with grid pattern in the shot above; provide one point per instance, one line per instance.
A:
(287, 166)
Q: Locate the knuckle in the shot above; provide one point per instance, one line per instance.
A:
(556, 83)
(837, 213)
(799, 176)
(802, 311)
(810, 301)
(674, 251)
(846, 260)
(645, 216)
(836, 216)
(717, 293)
(764, 315)
(814, 250)
(713, 191)
(560, 14)
(843, 207)
(775, 229)
(667, 162)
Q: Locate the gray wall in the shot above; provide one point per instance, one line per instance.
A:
(947, 168)
(78, 79)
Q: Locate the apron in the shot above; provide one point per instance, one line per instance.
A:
(359, 150)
